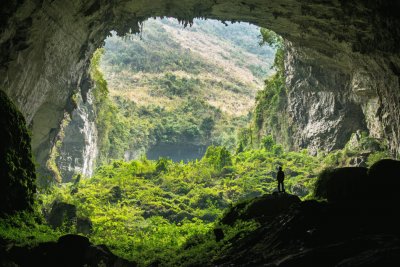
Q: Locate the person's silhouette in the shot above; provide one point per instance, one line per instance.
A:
(280, 177)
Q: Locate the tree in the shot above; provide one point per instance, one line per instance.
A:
(218, 156)
(267, 142)
(162, 165)
(207, 125)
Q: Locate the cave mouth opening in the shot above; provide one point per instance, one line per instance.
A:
(197, 85)
(180, 195)
(173, 91)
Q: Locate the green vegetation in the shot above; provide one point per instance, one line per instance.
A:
(27, 228)
(157, 206)
(198, 93)
(164, 211)
(269, 114)
(54, 153)
(360, 150)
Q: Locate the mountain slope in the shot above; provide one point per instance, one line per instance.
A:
(185, 86)
(227, 72)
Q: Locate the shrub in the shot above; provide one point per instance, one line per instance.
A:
(268, 142)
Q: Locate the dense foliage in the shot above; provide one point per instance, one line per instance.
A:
(144, 208)
(269, 114)
(198, 93)
(164, 211)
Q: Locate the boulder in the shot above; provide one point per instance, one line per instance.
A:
(380, 182)
(69, 251)
(219, 234)
(261, 208)
(299, 190)
(384, 179)
(84, 226)
(115, 194)
(342, 184)
(61, 213)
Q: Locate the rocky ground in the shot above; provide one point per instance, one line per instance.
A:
(357, 226)
(68, 251)
(312, 233)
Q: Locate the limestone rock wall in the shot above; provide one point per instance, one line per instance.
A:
(79, 148)
(326, 103)
(320, 107)
(45, 47)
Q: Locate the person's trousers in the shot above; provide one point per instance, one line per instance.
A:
(280, 184)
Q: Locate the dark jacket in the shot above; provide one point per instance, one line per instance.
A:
(280, 176)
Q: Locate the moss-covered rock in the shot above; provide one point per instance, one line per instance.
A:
(261, 208)
(17, 171)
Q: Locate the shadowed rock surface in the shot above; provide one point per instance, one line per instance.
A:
(343, 184)
(68, 251)
(261, 208)
(61, 213)
(356, 227)
(17, 171)
(380, 182)
(311, 233)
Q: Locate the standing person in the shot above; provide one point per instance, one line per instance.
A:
(280, 176)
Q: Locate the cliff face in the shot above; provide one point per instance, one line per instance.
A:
(79, 147)
(321, 108)
(45, 47)
(17, 170)
(325, 104)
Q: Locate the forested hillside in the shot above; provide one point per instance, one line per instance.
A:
(179, 89)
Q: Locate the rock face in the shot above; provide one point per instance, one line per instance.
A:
(62, 214)
(84, 226)
(68, 251)
(321, 109)
(79, 148)
(343, 184)
(260, 208)
(380, 182)
(45, 47)
(384, 175)
(17, 171)
(311, 233)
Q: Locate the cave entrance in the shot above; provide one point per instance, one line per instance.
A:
(42, 62)
(171, 91)
(355, 42)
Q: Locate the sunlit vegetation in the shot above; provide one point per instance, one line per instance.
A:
(144, 208)
(164, 211)
(201, 91)
(269, 114)
(54, 153)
